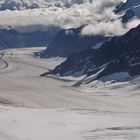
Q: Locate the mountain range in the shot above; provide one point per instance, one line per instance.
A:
(120, 54)
(69, 41)
(11, 38)
(31, 4)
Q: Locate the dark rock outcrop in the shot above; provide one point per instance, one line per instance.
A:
(121, 54)
(71, 41)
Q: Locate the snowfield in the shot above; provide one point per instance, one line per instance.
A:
(67, 124)
(49, 108)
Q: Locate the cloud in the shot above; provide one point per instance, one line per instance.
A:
(105, 22)
(133, 23)
(110, 28)
(104, 28)
(98, 17)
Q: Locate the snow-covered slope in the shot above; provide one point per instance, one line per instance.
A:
(103, 105)
(48, 108)
(68, 124)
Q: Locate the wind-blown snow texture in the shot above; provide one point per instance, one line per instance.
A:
(34, 107)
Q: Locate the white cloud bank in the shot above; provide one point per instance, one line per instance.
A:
(106, 22)
(98, 17)
(110, 28)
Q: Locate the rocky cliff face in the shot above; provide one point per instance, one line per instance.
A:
(131, 9)
(70, 41)
(121, 54)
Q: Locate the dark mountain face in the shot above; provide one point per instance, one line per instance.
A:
(70, 41)
(121, 54)
(129, 4)
(10, 38)
(131, 9)
(130, 14)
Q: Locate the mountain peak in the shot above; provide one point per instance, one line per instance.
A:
(131, 4)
